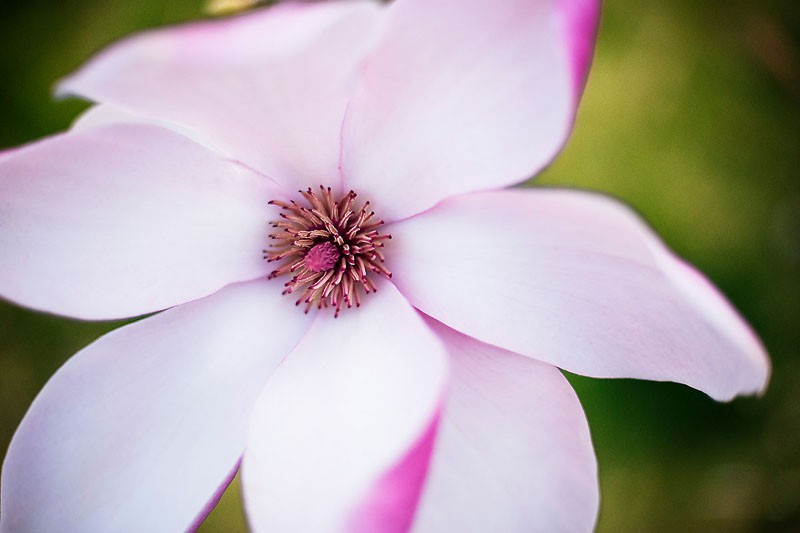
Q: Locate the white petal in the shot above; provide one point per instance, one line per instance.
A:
(126, 219)
(268, 88)
(347, 407)
(576, 280)
(513, 453)
(463, 96)
(139, 431)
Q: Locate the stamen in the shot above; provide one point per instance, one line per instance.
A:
(329, 247)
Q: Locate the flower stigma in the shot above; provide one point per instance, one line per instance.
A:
(330, 248)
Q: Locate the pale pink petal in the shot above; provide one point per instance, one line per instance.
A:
(459, 96)
(513, 452)
(576, 280)
(139, 431)
(353, 403)
(124, 220)
(268, 88)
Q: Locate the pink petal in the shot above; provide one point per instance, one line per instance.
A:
(576, 280)
(357, 398)
(124, 220)
(268, 88)
(513, 452)
(459, 96)
(139, 431)
(392, 501)
(579, 20)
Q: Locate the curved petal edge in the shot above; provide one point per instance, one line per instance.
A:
(109, 222)
(514, 453)
(577, 280)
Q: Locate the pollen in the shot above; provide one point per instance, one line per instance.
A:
(331, 248)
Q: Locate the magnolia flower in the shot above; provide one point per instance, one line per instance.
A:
(399, 383)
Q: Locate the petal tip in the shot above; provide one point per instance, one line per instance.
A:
(580, 22)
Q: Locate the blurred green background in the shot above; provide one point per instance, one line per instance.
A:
(691, 115)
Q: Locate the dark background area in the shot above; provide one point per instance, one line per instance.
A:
(691, 115)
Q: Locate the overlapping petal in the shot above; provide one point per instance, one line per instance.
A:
(462, 96)
(513, 453)
(358, 397)
(577, 280)
(138, 431)
(109, 115)
(269, 89)
(127, 219)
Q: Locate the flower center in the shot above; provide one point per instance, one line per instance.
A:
(329, 247)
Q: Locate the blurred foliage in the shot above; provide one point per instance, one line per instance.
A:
(691, 115)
